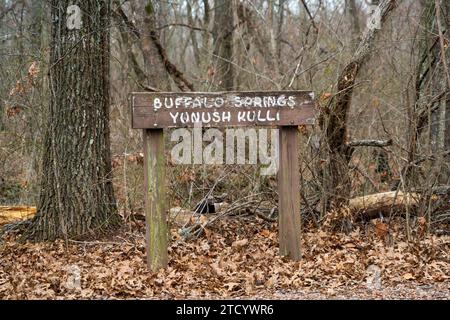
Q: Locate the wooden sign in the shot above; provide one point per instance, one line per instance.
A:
(157, 110)
(222, 109)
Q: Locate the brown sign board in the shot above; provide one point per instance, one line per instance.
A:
(153, 110)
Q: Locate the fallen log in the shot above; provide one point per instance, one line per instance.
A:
(10, 214)
(372, 205)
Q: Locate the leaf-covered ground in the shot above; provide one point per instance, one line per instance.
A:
(234, 258)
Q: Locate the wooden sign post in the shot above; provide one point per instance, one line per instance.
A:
(155, 111)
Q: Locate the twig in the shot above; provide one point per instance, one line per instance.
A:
(311, 18)
(431, 157)
(97, 242)
(183, 25)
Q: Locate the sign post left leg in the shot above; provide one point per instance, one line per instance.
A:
(155, 199)
(289, 193)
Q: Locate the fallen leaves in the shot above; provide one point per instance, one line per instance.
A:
(381, 228)
(408, 276)
(239, 243)
(237, 258)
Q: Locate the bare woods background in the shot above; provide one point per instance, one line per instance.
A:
(382, 99)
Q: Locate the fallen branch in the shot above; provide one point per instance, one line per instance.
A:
(370, 143)
(372, 205)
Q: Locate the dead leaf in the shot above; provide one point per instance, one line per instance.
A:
(408, 276)
(239, 243)
(231, 286)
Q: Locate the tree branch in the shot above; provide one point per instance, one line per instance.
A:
(185, 25)
(171, 69)
(370, 143)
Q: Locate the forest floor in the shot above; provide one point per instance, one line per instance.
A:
(233, 258)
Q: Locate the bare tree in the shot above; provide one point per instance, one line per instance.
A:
(77, 195)
(335, 118)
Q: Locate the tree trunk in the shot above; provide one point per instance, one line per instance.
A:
(334, 122)
(441, 86)
(353, 15)
(77, 197)
(192, 35)
(223, 44)
(432, 86)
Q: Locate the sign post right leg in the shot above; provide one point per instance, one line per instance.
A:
(155, 199)
(289, 193)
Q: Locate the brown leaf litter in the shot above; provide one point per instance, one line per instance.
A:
(235, 258)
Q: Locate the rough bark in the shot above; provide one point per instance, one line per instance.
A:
(154, 60)
(223, 44)
(77, 197)
(441, 85)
